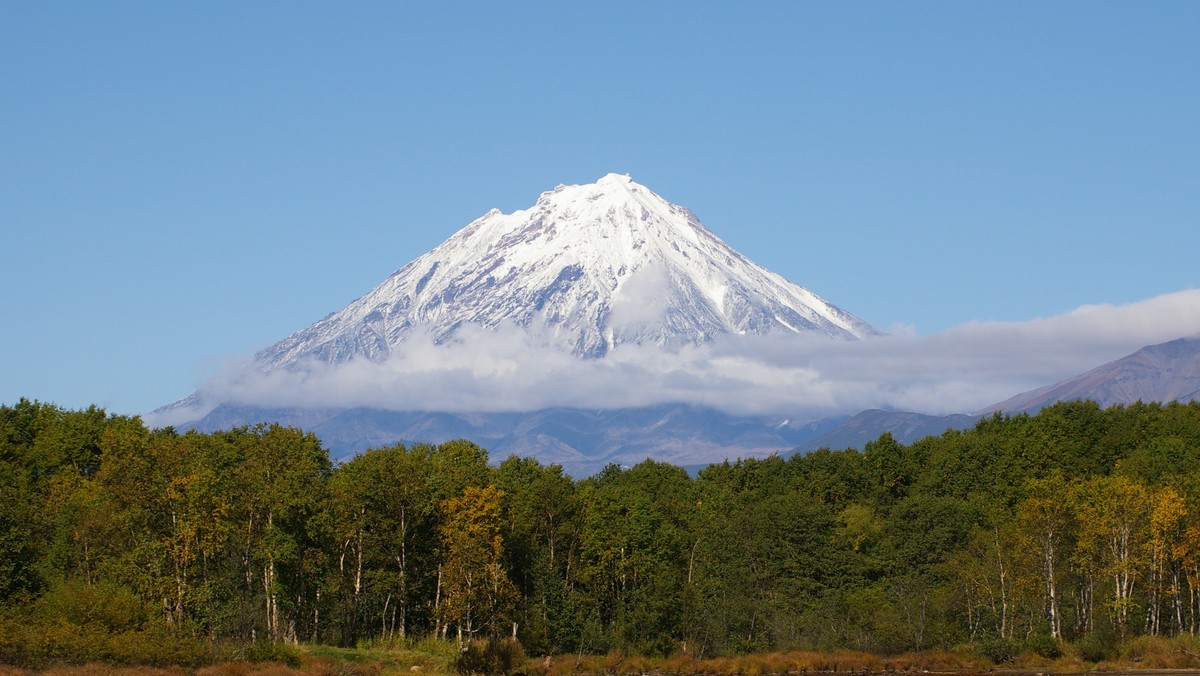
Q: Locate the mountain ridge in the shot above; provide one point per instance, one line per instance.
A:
(905, 426)
(1162, 372)
(581, 441)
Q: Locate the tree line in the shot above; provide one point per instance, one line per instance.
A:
(1078, 524)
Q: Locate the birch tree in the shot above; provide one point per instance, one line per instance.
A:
(478, 596)
(1044, 520)
(1114, 514)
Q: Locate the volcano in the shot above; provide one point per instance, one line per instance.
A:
(586, 269)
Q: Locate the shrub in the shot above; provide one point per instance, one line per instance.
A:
(1095, 647)
(157, 646)
(12, 648)
(267, 651)
(491, 657)
(110, 607)
(1045, 645)
(1000, 650)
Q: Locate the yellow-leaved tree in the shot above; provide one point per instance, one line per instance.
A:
(1044, 521)
(1168, 521)
(475, 593)
(1114, 516)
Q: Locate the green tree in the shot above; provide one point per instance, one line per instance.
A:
(539, 538)
(281, 488)
(383, 511)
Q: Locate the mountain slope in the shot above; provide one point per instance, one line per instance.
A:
(583, 442)
(904, 426)
(587, 268)
(1165, 372)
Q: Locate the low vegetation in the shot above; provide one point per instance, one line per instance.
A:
(1062, 541)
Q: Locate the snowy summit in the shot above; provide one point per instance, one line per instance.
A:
(587, 268)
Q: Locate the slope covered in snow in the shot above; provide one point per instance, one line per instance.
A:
(586, 269)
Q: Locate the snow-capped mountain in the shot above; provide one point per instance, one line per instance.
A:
(587, 268)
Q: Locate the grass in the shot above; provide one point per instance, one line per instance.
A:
(759, 664)
(1140, 654)
(434, 658)
(313, 661)
(425, 658)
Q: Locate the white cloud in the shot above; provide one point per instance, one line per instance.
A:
(641, 300)
(959, 370)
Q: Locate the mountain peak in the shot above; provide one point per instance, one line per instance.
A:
(613, 178)
(590, 201)
(587, 268)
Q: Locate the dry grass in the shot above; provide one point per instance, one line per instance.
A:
(377, 660)
(97, 669)
(759, 664)
(1153, 652)
(1140, 654)
(248, 669)
(308, 667)
(940, 661)
(1146, 653)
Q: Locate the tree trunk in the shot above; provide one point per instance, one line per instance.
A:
(383, 622)
(1052, 591)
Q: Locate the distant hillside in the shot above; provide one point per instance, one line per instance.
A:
(904, 426)
(1163, 373)
(582, 441)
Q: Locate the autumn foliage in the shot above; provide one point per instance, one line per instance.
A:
(1070, 535)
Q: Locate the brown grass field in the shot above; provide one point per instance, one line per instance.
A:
(1144, 655)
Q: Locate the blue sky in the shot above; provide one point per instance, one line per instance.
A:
(184, 182)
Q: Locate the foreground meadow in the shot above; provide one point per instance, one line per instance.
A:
(1141, 656)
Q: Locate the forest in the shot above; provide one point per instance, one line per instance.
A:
(1078, 526)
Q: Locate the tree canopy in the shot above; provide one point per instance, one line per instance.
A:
(1073, 523)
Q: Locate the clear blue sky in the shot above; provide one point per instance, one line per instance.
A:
(184, 181)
